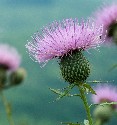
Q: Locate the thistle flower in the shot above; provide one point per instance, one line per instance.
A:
(66, 40)
(107, 16)
(9, 57)
(59, 38)
(105, 93)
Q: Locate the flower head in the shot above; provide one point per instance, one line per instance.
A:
(66, 40)
(107, 16)
(60, 38)
(105, 93)
(9, 57)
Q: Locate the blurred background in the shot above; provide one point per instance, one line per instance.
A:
(32, 102)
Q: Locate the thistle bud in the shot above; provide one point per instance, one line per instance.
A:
(103, 113)
(17, 76)
(74, 67)
(112, 32)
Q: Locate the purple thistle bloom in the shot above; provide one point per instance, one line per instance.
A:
(9, 57)
(59, 38)
(105, 93)
(106, 16)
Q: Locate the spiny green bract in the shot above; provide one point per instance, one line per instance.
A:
(74, 67)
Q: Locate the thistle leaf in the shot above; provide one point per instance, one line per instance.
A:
(64, 93)
(70, 123)
(56, 91)
(96, 81)
(105, 103)
(90, 89)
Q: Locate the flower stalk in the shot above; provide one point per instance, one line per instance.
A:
(7, 108)
(86, 105)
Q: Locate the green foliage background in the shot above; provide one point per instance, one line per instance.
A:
(19, 19)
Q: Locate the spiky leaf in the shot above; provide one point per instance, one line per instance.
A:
(66, 91)
(90, 89)
(70, 123)
(105, 103)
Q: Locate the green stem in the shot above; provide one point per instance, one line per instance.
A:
(83, 97)
(7, 108)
